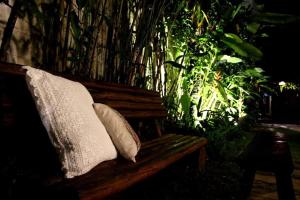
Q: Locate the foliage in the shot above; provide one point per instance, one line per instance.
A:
(288, 86)
(213, 63)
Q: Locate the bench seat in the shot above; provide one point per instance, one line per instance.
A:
(116, 175)
(33, 149)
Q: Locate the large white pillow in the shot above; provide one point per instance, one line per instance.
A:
(66, 110)
(120, 131)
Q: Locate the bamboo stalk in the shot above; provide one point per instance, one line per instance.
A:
(67, 32)
(10, 25)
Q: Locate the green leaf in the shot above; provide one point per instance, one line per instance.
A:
(222, 92)
(259, 70)
(264, 35)
(241, 47)
(185, 100)
(230, 59)
(260, 7)
(236, 11)
(233, 37)
(228, 13)
(276, 18)
(253, 27)
(75, 25)
(185, 103)
(235, 47)
(255, 72)
(252, 51)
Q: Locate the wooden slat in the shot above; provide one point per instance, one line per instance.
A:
(17, 70)
(161, 144)
(117, 87)
(113, 96)
(116, 180)
(143, 114)
(12, 69)
(125, 105)
(105, 167)
(124, 165)
(159, 140)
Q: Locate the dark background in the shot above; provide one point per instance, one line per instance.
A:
(281, 49)
(282, 60)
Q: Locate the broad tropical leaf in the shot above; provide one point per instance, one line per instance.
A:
(230, 59)
(241, 47)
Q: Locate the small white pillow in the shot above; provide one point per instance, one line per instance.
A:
(74, 129)
(120, 131)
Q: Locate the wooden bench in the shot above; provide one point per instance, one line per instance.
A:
(34, 161)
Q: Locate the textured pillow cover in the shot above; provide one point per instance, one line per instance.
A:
(120, 131)
(66, 110)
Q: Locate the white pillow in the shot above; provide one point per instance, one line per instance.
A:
(74, 129)
(121, 133)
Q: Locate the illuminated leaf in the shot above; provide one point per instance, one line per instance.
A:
(230, 59)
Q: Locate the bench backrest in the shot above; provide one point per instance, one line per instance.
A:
(132, 102)
(25, 138)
